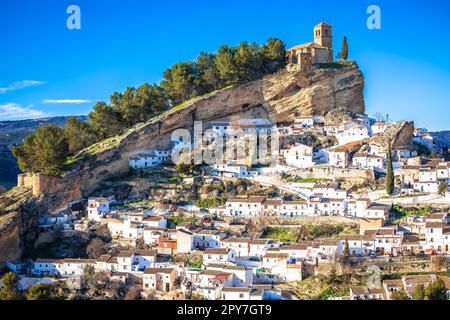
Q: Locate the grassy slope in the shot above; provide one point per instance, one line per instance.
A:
(115, 141)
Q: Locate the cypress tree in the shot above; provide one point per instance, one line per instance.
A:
(389, 172)
(344, 53)
(346, 253)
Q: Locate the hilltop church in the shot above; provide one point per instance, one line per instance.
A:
(319, 51)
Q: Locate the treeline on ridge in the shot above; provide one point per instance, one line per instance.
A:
(48, 148)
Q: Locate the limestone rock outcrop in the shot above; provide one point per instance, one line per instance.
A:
(280, 98)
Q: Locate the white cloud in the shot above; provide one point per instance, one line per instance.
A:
(12, 111)
(21, 85)
(65, 101)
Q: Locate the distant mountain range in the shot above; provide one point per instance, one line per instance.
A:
(442, 138)
(12, 133)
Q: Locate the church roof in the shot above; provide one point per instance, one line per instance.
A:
(307, 45)
(323, 24)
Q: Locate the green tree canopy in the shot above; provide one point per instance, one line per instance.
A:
(141, 104)
(38, 292)
(207, 78)
(344, 53)
(390, 182)
(346, 253)
(10, 291)
(44, 151)
(443, 188)
(79, 135)
(179, 82)
(105, 120)
(436, 290)
(227, 65)
(274, 55)
(25, 154)
(419, 292)
(400, 295)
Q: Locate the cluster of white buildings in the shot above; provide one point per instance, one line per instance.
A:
(326, 199)
(425, 177)
(231, 170)
(149, 158)
(156, 274)
(245, 267)
(407, 283)
(137, 226)
(423, 137)
(353, 150)
(125, 261)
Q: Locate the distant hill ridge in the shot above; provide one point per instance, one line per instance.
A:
(13, 132)
(442, 138)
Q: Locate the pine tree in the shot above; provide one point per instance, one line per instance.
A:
(419, 292)
(436, 290)
(44, 151)
(400, 295)
(390, 172)
(344, 53)
(38, 292)
(9, 290)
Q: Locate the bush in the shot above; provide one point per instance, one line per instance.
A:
(210, 202)
(282, 234)
(38, 292)
(10, 291)
(436, 290)
(401, 212)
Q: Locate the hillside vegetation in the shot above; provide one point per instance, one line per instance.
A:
(51, 147)
(13, 133)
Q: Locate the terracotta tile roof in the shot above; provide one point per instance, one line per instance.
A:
(272, 202)
(349, 147)
(155, 218)
(237, 240)
(147, 253)
(236, 289)
(217, 251)
(322, 24)
(393, 283)
(258, 241)
(306, 45)
(295, 246)
(248, 200)
(125, 254)
(158, 270)
(274, 255)
(47, 261)
(437, 225)
(84, 261)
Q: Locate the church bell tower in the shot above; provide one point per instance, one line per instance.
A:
(323, 35)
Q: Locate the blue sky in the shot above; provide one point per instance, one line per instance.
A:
(48, 70)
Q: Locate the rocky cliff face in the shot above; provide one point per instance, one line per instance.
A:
(19, 214)
(281, 98)
(399, 135)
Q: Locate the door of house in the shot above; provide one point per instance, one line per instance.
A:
(167, 287)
